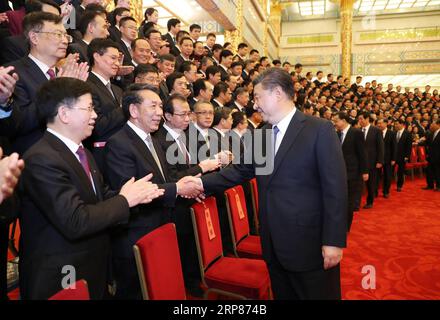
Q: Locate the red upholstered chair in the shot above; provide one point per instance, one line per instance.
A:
(254, 190)
(422, 158)
(235, 277)
(412, 163)
(244, 244)
(81, 292)
(158, 264)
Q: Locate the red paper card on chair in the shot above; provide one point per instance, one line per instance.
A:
(240, 208)
(209, 226)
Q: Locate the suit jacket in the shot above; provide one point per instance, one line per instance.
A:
(81, 48)
(29, 129)
(127, 55)
(374, 145)
(224, 73)
(390, 147)
(303, 201)
(433, 149)
(13, 48)
(355, 155)
(128, 156)
(108, 108)
(115, 33)
(403, 147)
(179, 61)
(163, 91)
(63, 221)
(173, 48)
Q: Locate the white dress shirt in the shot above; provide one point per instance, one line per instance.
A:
(282, 127)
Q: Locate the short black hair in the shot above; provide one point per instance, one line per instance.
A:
(276, 77)
(135, 41)
(99, 46)
(167, 57)
(358, 77)
(343, 116)
(96, 8)
(221, 113)
(185, 39)
(237, 118)
(148, 32)
(149, 12)
(37, 5)
(171, 79)
(212, 70)
(132, 96)
(276, 61)
(211, 35)
(194, 26)
(253, 51)
(286, 63)
(239, 91)
(225, 53)
(198, 86)
(298, 65)
(242, 45)
(169, 103)
(87, 18)
(125, 19)
(217, 47)
(237, 63)
(319, 72)
(219, 88)
(119, 11)
(57, 92)
(186, 66)
(144, 68)
(172, 23)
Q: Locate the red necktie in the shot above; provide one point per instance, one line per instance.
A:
(81, 152)
(51, 74)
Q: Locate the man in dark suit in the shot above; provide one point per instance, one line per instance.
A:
(173, 26)
(403, 153)
(118, 14)
(66, 207)
(202, 91)
(47, 47)
(92, 26)
(432, 144)
(166, 66)
(128, 26)
(390, 152)
(226, 57)
(241, 99)
(171, 137)
(104, 60)
(355, 156)
(13, 48)
(133, 152)
(221, 96)
(303, 200)
(375, 153)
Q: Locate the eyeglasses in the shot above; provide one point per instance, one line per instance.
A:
(58, 35)
(148, 79)
(89, 109)
(183, 114)
(205, 113)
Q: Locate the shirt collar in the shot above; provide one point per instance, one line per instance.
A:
(239, 106)
(253, 123)
(237, 132)
(219, 131)
(204, 132)
(172, 131)
(73, 146)
(284, 123)
(105, 82)
(346, 130)
(44, 67)
(134, 63)
(223, 67)
(220, 104)
(141, 133)
(128, 45)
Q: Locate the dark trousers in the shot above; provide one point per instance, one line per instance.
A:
(400, 173)
(309, 285)
(127, 280)
(4, 236)
(189, 259)
(371, 185)
(354, 190)
(433, 175)
(385, 173)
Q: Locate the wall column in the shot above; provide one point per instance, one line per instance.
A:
(346, 8)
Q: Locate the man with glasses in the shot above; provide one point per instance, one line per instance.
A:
(154, 38)
(128, 27)
(146, 74)
(189, 69)
(134, 152)
(104, 60)
(48, 42)
(186, 47)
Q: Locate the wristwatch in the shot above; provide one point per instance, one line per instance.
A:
(7, 107)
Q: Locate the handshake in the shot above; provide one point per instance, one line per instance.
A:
(190, 188)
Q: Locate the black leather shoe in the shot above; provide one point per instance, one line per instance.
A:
(196, 292)
(356, 209)
(427, 188)
(437, 189)
(386, 195)
(368, 206)
(399, 189)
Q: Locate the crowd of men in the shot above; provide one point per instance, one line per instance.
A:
(94, 110)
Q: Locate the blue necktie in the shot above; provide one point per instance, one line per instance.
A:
(275, 133)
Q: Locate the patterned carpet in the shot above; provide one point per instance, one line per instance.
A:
(400, 238)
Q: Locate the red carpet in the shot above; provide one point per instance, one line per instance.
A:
(400, 238)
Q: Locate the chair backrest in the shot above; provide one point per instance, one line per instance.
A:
(422, 153)
(413, 157)
(254, 190)
(158, 264)
(77, 291)
(207, 231)
(238, 216)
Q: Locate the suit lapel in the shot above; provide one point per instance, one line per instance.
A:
(296, 125)
(101, 86)
(143, 150)
(73, 162)
(34, 71)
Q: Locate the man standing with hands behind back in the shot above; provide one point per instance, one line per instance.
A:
(303, 200)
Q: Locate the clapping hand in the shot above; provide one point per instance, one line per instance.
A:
(10, 170)
(142, 191)
(225, 157)
(208, 165)
(7, 83)
(72, 69)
